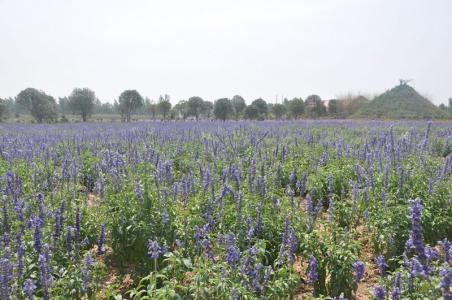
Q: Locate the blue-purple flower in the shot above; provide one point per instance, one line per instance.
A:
(45, 272)
(379, 292)
(447, 249)
(233, 256)
(446, 282)
(88, 261)
(38, 224)
(381, 263)
(416, 230)
(29, 289)
(359, 268)
(396, 290)
(154, 249)
(6, 274)
(313, 274)
(101, 240)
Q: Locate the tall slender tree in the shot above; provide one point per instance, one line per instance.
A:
(151, 108)
(164, 105)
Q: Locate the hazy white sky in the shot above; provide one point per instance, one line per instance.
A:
(215, 49)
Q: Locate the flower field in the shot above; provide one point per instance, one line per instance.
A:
(226, 210)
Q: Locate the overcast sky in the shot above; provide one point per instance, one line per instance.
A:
(215, 49)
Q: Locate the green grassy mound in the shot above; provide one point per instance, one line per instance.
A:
(400, 102)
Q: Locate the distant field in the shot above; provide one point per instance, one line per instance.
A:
(25, 118)
(108, 118)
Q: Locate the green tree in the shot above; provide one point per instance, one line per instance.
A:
(251, 112)
(278, 110)
(107, 108)
(333, 107)
(207, 109)
(239, 105)
(164, 105)
(262, 108)
(116, 106)
(129, 102)
(81, 101)
(450, 105)
(314, 106)
(296, 107)
(223, 109)
(152, 109)
(12, 106)
(180, 110)
(3, 109)
(41, 106)
(97, 106)
(146, 106)
(63, 105)
(195, 106)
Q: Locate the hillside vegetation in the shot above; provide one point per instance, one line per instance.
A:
(400, 102)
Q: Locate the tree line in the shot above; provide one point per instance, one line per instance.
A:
(83, 102)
